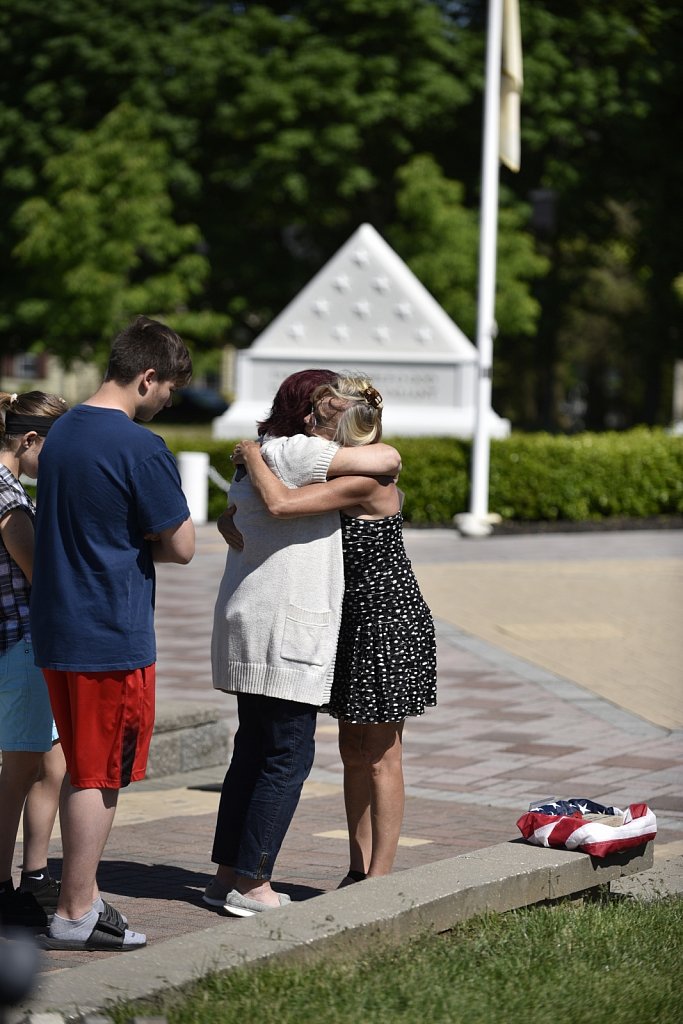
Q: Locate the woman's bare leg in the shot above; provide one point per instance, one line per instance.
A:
(357, 803)
(356, 796)
(384, 749)
(373, 792)
(19, 772)
(40, 810)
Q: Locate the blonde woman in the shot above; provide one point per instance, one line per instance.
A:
(386, 657)
(32, 758)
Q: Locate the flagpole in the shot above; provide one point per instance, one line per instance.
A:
(477, 522)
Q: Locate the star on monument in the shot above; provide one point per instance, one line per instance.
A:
(404, 310)
(297, 331)
(362, 308)
(381, 284)
(425, 335)
(342, 283)
(382, 334)
(321, 307)
(341, 333)
(360, 257)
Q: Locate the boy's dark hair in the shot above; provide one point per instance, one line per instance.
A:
(292, 402)
(149, 345)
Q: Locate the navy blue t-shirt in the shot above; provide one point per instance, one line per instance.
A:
(104, 483)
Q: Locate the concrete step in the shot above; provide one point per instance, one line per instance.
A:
(343, 923)
(187, 738)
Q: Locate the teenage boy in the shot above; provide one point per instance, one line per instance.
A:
(109, 505)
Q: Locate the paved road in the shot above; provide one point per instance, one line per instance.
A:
(559, 675)
(603, 610)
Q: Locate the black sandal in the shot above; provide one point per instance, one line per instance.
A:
(106, 936)
(113, 916)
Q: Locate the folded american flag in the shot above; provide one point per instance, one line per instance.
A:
(575, 824)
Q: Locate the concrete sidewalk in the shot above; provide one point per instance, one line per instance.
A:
(559, 675)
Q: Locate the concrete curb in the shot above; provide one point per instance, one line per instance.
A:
(429, 898)
(186, 738)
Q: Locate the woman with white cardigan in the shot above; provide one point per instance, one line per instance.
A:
(274, 641)
(386, 654)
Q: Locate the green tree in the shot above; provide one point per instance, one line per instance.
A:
(600, 129)
(102, 244)
(318, 105)
(597, 346)
(438, 236)
(284, 122)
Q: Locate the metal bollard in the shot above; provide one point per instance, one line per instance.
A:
(194, 479)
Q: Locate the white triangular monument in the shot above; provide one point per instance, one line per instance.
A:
(366, 312)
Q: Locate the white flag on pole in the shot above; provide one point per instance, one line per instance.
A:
(511, 86)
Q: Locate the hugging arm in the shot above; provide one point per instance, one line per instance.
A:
(286, 503)
(366, 460)
(225, 524)
(370, 461)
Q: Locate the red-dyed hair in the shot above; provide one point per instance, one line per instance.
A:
(292, 402)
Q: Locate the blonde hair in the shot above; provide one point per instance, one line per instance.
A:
(361, 421)
(30, 403)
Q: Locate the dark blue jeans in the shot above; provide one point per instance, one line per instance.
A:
(271, 759)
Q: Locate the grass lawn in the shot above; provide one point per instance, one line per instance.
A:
(612, 962)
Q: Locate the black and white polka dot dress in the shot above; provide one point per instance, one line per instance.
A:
(386, 656)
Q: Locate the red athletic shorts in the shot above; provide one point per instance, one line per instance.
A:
(105, 722)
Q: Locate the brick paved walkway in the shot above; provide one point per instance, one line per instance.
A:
(507, 729)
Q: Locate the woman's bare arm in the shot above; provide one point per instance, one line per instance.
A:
(366, 460)
(17, 535)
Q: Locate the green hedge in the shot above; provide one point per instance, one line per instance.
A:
(532, 476)
(587, 476)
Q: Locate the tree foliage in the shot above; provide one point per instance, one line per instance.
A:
(438, 236)
(283, 122)
(203, 160)
(102, 243)
(601, 131)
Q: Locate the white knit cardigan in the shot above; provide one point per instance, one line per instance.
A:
(276, 621)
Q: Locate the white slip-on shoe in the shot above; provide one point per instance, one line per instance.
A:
(215, 893)
(242, 906)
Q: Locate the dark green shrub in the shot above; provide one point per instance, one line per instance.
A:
(434, 478)
(587, 476)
